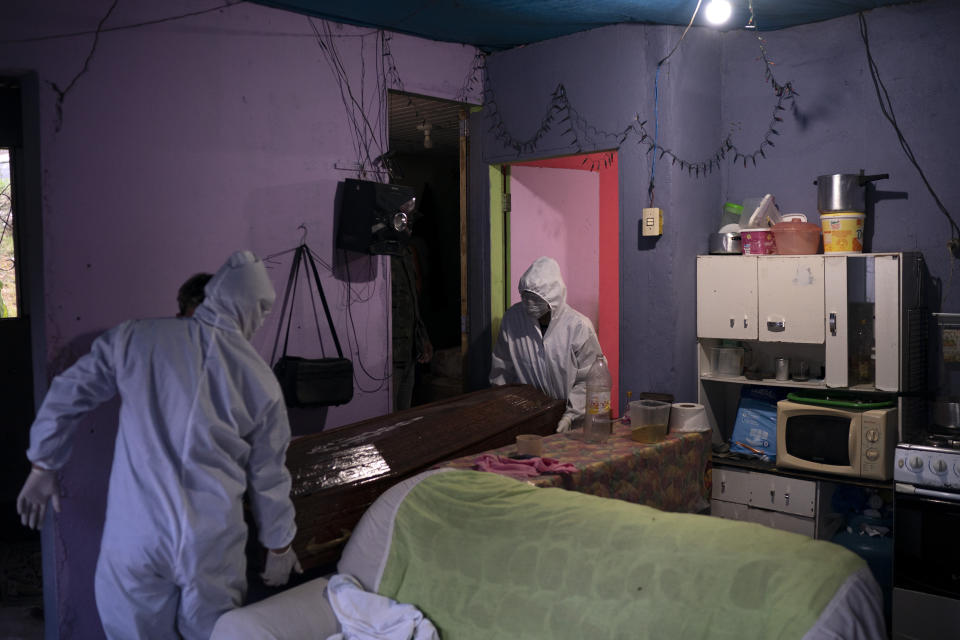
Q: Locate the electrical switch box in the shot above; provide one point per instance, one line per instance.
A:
(652, 222)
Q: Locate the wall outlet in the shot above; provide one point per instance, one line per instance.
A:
(652, 222)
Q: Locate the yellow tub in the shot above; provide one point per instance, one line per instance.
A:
(842, 232)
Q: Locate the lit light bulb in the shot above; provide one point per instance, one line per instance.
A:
(718, 11)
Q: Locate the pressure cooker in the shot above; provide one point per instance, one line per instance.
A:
(844, 192)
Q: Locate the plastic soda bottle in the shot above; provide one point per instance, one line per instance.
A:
(597, 423)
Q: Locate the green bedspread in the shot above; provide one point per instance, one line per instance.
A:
(487, 557)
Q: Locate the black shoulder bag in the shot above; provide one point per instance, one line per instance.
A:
(310, 382)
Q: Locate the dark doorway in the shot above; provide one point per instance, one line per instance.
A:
(21, 593)
(425, 139)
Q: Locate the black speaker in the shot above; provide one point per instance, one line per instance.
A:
(375, 218)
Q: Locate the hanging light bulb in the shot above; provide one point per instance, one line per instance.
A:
(426, 127)
(718, 11)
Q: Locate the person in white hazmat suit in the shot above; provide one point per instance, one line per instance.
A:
(202, 420)
(546, 343)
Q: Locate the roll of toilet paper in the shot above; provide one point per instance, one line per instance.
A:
(688, 416)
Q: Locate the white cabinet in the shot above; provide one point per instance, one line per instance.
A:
(774, 299)
(845, 316)
(727, 297)
(855, 321)
(778, 501)
(790, 299)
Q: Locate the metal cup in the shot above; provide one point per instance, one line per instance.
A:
(783, 369)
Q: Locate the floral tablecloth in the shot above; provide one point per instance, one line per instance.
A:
(672, 475)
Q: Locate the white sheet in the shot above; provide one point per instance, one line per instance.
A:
(369, 616)
(854, 613)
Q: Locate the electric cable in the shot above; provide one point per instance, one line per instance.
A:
(656, 101)
(886, 107)
(62, 93)
(386, 375)
(134, 25)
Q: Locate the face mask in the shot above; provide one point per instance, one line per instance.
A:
(534, 305)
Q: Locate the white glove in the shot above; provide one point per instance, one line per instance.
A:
(279, 565)
(565, 424)
(40, 486)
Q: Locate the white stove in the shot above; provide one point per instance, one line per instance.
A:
(926, 571)
(925, 469)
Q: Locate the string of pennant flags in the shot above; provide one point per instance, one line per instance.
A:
(582, 136)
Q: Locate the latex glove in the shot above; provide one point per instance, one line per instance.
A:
(41, 485)
(565, 424)
(279, 565)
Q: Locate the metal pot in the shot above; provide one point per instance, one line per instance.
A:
(842, 192)
(725, 243)
(947, 414)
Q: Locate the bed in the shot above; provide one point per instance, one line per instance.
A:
(484, 556)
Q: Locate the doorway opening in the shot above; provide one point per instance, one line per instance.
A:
(427, 152)
(567, 208)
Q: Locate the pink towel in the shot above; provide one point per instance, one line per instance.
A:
(520, 469)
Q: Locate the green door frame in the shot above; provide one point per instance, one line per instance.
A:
(499, 246)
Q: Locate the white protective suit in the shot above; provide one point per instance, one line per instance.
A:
(202, 420)
(556, 362)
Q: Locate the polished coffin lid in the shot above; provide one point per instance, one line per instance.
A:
(338, 473)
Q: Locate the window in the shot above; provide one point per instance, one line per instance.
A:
(8, 264)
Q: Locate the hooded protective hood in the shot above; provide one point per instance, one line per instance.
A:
(543, 278)
(239, 295)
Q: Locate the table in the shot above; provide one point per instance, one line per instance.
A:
(672, 475)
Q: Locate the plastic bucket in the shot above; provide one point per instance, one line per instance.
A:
(842, 232)
(758, 242)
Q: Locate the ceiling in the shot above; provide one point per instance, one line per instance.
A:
(494, 25)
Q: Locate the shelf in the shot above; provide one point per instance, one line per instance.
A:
(793, 384)
(768, 382)
(768, 467)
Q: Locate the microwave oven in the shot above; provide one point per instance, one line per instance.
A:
(837, 440)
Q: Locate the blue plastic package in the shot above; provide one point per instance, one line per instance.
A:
(755, 430)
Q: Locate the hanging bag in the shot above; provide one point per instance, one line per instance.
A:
(310, 382)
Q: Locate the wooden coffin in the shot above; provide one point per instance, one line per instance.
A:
(338, 473)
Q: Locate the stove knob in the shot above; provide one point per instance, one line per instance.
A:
(938, 466)
(956, 468)
(915, 463)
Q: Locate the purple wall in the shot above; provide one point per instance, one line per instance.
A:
(184, 141)
(712, 86)
(558, 211)
(838, 126)
(608, 75)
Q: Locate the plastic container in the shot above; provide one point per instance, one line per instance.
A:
(749, 206)
(529, 445)
(758, 242)
(727, 361)
(731, 214)
(842, 232)
(649, 420)
(597, 421)
(759, 213)
(796, 237)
